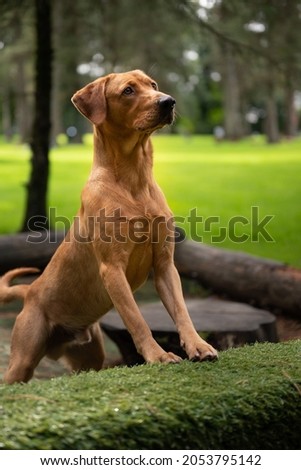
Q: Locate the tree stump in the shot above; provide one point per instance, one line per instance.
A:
(223, 324)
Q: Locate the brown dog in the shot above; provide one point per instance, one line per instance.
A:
(122, 230)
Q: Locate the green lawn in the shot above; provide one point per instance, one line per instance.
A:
(219, 180)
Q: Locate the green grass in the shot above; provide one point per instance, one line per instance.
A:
(249, 399)
(223, 180)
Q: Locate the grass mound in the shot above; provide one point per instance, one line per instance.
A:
(249, 399)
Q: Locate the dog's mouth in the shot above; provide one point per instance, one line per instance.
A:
(167, 117)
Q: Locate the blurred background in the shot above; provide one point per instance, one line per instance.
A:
(234, 66)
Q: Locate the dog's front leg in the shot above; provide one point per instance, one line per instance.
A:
(168, 285)
(117, 286)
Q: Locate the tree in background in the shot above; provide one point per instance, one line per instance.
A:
(16, 71)
(36, 204)
(26, 91)
(70, 41)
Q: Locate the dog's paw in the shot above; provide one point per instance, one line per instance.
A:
(202, 352)
(169, 357)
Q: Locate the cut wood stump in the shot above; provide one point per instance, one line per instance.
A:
(223, 324)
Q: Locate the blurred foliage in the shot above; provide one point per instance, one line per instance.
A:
(224, 61)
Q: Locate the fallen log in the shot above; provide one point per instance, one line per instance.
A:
(23, 249)
(261, 282)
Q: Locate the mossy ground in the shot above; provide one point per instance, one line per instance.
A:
(249, 399)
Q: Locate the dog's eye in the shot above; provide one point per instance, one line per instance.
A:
(128, 90)
(154, 85)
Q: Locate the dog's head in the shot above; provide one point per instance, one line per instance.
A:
(129, 101)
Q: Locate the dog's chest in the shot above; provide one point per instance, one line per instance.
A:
(139, 224)
(143, 219)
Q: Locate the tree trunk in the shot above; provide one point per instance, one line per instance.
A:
(36, 205)
(23, 110)
(58, 97)
(6, 116)
(271, 122)
(233, 120)
(66, 81)
(233, 116)
(291, 115)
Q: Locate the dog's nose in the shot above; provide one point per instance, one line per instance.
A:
(167, 102)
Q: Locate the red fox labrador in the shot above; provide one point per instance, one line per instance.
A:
(121, 231)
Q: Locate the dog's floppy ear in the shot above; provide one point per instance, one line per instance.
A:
(91, 101)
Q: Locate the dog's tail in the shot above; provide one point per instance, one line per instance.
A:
(18, 291)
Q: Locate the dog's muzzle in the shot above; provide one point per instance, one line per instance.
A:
(166, 107)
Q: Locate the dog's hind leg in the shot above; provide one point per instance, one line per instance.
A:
(84, 356)
(28, 346)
